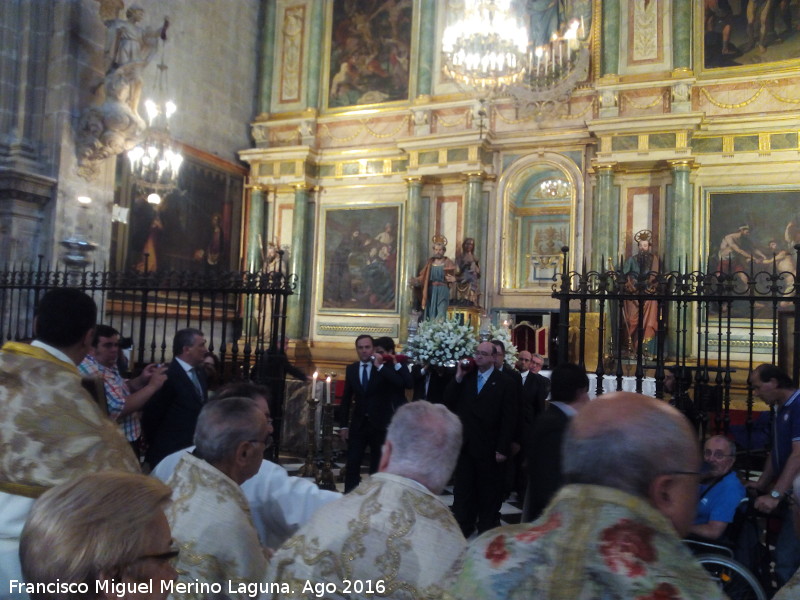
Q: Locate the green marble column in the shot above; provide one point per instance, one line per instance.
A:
(605, 219)
(427, 37)
(681, 34)
(610, 43)
(255, 230)
(412, 234)
(266, 66)
(296, 317)
(679, 218)
(474, 218)
(314, 60)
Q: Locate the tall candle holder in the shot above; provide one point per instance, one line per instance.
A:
(325, 478)
(309, 468)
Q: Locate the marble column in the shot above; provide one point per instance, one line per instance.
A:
(681, 34)
(679, 218)
(296, 314)
(605, 219)
(266, 68)
(426, 53)
(413, 245)
(314, 60)
(610, 32)
(255, 230)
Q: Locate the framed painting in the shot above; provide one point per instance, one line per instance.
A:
(758, 223)
(369, 60)
(360, 257)
(736, 35)
(195, 228)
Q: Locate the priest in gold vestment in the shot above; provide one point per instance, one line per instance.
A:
(391, 537)
(51, 430)
(210, 517)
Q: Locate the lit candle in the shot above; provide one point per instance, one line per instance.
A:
(539, 53)
(328, 388)
(314, 386)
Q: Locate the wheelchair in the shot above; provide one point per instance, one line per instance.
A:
(733, 578)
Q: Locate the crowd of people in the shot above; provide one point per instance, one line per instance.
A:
(611, 487)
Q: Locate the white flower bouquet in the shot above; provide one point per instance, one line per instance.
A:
(503, 334)
(441, 342)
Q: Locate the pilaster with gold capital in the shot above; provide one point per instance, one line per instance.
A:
(414, 248)
(605, 217)
(302, 241)
(679, 216)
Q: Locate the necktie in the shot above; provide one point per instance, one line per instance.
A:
(196, 381)
(481, 381)
(364, 377)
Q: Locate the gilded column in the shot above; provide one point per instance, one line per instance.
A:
(611, 37)
(605, 218)
(267, 58)
(427, 36)
(681, 34)
(296, 315)
(314, 60)
(412, 255)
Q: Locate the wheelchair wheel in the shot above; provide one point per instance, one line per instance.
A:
(733, 577)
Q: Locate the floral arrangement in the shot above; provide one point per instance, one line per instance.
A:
(441, 342)
(503, 334)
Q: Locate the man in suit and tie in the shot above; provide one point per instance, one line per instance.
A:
(171, 415)
(569, 386)
(535, 389)
(484, 401)
(370, 387)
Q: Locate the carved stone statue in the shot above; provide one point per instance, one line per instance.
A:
(435, 279)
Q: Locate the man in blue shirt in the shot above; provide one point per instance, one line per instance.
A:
(775, 387)
(721, 493)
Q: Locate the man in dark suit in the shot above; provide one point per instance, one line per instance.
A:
(533, 400)
(514, 464)
(372, 388)
(569, 386)
(429, 383)
(484, 401)
(171, 415)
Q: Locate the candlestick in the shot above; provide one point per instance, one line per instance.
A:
(314, 385)
(328, 389)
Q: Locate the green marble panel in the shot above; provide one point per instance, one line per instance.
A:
(508, 159)
(399, 166)
(350, 168)
(374, 167)
(266, 168)
(430, 157)
(312, 170)
(745, 143)
(621, 143)
(662, 140)
(487, 156)
(457, 154)
(287, 168)
(575, 156)
(783, 141)
(327, 170)
(707, 145)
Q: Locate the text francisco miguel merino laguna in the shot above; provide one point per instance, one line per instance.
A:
(121, 588)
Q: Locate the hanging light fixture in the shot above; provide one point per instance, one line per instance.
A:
(489, 51)
(156, 161)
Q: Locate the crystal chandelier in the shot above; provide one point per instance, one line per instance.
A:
(156, 161)
(489, 51)
(486, 49)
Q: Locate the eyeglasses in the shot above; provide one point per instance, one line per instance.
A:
(719, 454)
(171, 554)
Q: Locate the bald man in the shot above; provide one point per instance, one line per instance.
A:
(631, 468)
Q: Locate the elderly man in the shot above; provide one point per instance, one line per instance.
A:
(631, 465)
(279, 504)
(124, 399)
(721, 493)
(392, 536)
(775, 388)
(170, 416)
(74, 531)
(210, 518)
(51, 430)
(484, 400)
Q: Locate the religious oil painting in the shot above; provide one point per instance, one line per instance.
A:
(741, 33)
(194, 228)
(751, 233)
(360, 258)
(370, 52)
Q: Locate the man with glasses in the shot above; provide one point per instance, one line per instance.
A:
(721, 493)
(210, 518)
(483, 399)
